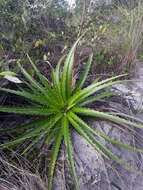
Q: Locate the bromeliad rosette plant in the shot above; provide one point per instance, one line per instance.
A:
(59, 105)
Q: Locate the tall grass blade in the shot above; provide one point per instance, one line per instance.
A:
(106, 116)
(55, 152)
(68, 143)
(84, 75)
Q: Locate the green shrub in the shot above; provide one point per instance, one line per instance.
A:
(59, 106)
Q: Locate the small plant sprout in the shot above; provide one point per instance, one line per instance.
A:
(58, 107)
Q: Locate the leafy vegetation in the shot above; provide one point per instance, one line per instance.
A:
(58, 106)
(49, 27)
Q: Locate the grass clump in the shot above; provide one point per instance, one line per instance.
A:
(58, 106)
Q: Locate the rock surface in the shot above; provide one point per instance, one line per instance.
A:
(94, 172)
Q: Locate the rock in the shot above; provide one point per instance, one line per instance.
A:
(94, 172)
(90, 164)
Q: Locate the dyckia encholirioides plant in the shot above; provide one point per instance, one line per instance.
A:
(59, 106)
